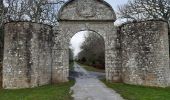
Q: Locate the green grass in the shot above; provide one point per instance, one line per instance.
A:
(48, 92)
(133, 92)
(90, 68)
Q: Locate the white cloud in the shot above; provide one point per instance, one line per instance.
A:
(116, 3)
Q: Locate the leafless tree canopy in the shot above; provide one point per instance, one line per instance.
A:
(145, 9)
(41, 11)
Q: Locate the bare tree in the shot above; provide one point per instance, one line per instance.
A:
(41, 11)
(92, 52)
(145, 9)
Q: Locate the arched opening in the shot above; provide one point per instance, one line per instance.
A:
(99, 18)
(87, 50)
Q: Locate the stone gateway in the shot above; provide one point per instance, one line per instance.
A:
(135, 53)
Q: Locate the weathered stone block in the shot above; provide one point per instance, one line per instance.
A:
(145, 53)
(27, 55)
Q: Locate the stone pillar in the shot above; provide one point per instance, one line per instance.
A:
(60, 66)
(112, 57)
(27, 55)
(60, 56)
(145, 53)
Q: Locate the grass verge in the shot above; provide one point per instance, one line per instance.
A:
(48, 92)
(133, 92)
(90, 68)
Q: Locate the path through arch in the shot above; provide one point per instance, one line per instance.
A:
(88, 87)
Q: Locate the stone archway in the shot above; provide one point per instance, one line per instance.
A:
(135, 53)
(79, 15)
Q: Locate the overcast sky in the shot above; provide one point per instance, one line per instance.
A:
(115, 3)
(78, 38)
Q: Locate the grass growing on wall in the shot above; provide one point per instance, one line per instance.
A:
(133, 92)
(48, 92)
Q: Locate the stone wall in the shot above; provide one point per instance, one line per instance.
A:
(145, 53)
(137, 54)
(105, 29)
(27, 55)
(1, 55)
(35, 55)
(87, 10)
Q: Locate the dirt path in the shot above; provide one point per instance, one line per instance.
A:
(88, 87)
